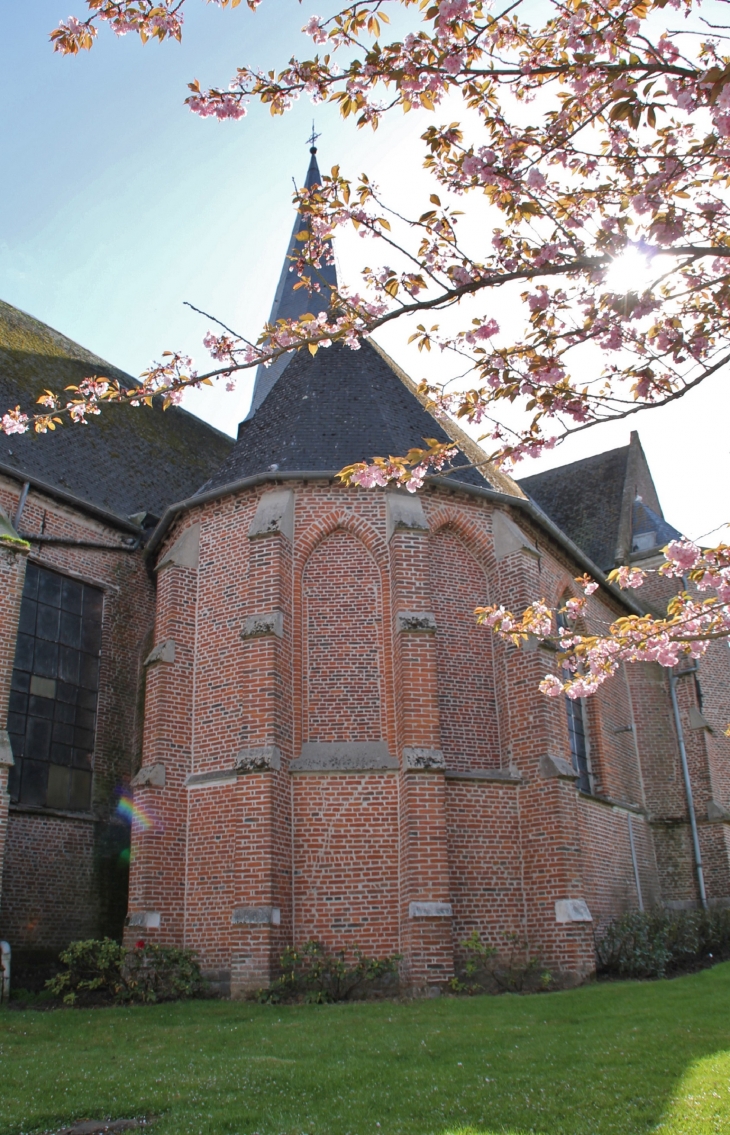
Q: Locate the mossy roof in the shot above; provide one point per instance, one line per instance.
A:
(126, 460)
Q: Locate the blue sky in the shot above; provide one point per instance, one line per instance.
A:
(117, 204)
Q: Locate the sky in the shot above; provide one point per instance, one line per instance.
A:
(117, 205)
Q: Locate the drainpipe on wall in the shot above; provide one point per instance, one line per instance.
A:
(673, 679)
(5, 971)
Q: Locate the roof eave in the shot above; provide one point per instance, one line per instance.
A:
(103, 514)
(521, 503)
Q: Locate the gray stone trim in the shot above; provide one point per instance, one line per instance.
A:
(556, 767)
(416, 758)
(256, 916)
(616, 805)
(185, 552)
(419, 621)
(487, 776)
(275, 513)
(404, 512)
(344, 756)
(163, 652)
(508, 537)
(212, 779)
(265, 758)
(6, 752)
(430, 910)
(697, 720)
(147, 919)
(150, 776)
(256, 626)
(572, 910)
(716, 814)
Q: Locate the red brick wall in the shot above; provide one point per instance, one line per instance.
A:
(345, 860)
(342, 648)
(342, 855)
(485, 862)
(466, 694)
(32, 855)
(49, 890)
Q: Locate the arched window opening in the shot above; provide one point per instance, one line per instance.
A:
(578, 734)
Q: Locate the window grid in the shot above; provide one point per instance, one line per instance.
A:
(54, 691)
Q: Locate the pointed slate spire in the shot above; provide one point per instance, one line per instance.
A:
(291, 303)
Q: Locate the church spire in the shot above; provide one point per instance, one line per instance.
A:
(291, 302)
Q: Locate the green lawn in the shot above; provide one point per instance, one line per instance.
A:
(623, 1058)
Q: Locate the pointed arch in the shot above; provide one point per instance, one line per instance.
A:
(464, 651)
(343, 660)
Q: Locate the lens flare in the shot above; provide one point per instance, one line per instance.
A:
(633, 271)
(133, 814)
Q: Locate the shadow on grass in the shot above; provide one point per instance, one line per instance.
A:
(609, 1059)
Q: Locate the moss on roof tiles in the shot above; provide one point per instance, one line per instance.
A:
(127, 459)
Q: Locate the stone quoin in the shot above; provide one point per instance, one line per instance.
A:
(282, 681)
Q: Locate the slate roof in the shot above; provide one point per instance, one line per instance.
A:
(291, 302)
(333, 409)
(126, 460)
(646, 522)
(584, 499)
(605, 504)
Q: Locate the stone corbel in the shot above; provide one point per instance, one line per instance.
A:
(150, 776)
(420, 622)
(6, 752)
(275, 513)
(716, 814)
(265, 758)
(556, 768)
(256, 916)
(185, 552)
(572, 910)
(163, 652)
(256, 626)
(404, 513)
(509, 538)
(147, 919)
(418, 759)
(697, 721)
(430, 910)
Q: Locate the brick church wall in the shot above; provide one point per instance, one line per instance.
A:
(63, 875)
(378, 858)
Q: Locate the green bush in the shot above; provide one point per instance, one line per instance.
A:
(312, 974)
(510, 970)
(658, 943)
(103, 972)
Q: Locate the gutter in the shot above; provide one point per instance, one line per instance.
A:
(79, 503)
(521, 503)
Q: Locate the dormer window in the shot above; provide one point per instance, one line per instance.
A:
(644, 542)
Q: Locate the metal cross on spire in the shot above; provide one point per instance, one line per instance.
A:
(312, 139)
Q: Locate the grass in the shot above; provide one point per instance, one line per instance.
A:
(611, 1058)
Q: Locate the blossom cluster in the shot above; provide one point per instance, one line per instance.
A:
(586, 660)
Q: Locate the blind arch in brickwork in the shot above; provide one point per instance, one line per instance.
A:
(465, 658)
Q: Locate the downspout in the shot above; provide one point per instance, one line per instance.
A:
(673, 679)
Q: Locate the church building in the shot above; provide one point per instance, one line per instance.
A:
(280, 680)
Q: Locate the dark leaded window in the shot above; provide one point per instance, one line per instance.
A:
(575, 708)
(53, 697)
(578, 742)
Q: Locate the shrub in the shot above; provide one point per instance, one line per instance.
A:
(511, 970)
(657, 943)
(310, 973)
(103, 972)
